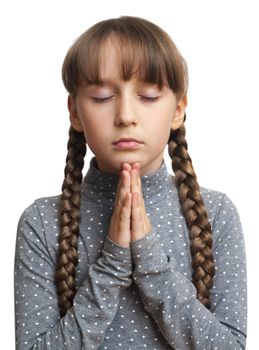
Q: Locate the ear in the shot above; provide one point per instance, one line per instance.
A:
(178, 117)
(74, 117)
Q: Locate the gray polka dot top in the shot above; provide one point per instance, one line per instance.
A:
(140, 297)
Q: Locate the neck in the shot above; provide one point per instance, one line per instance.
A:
(101, 186)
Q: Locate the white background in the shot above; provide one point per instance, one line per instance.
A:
(219, 40)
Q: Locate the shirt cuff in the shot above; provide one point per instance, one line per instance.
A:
(148, 255)
(113, 249)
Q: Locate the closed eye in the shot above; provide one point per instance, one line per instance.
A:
(144, 98)
(149, 99)
(100, 100)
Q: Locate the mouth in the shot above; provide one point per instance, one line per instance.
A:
(127, 140)
(127, 144)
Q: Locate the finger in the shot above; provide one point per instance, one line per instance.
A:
(141, 199)
(125, 213)
(118, 197)
(138, 188)
(134, 181)
(136, 215)
(125, 186)
(136, 165)
(119, 229)
(117, 192)
(121, 177)
(126, 166)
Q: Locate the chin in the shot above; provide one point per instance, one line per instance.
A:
(115, 165)
(131, 159)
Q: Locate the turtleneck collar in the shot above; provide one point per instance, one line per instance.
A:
(101, 186)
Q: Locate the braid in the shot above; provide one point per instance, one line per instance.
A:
(195, 214)
(67, 259)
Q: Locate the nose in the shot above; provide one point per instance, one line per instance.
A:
(126, 112)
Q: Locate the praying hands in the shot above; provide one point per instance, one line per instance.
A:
(129, 221)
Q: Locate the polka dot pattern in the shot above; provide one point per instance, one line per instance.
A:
(139, 297)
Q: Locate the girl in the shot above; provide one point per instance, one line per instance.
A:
(129, 256)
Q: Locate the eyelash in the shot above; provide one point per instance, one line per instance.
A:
(147, 99)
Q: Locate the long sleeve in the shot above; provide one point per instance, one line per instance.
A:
(38, 324)
(171, 298)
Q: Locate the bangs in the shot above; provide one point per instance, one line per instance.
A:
(146, 52)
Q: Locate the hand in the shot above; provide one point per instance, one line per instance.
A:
(140, 224)
(129, 220)
(119, 229)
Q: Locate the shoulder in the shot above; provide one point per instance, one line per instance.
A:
(43, 206)
(223, 215)
(213, 199)
(38, 225)
(218, 202)
(42, 214)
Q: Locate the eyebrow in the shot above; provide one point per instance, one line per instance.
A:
(102, 82)
(112, 82)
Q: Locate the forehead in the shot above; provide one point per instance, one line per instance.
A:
(109, 60)
(110, 67)
(117, 65)
(113, 82)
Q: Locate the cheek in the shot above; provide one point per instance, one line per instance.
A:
(93, 131)
(92, 122)
(160, 130)
(96, 133)
(159, 122)
(94, 117)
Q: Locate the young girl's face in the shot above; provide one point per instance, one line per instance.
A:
(119, 109)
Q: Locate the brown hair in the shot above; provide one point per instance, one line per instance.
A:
(149, 52)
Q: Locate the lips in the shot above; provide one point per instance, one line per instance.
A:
(127, 140)
(127, 144)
